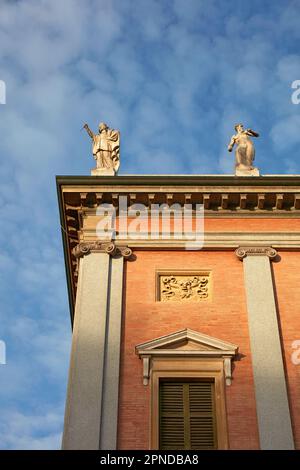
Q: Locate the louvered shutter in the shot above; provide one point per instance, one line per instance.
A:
(187, 417)
(202, 416)
(171, 416)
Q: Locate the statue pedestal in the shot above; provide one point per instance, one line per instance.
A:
(247, 172)
(103, 172)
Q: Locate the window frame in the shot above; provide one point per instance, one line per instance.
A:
(190, 368)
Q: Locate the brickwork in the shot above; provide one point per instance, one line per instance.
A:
(223, 317)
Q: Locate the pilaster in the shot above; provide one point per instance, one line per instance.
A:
(272, 406)
(92, 399)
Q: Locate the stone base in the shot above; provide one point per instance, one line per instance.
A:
(103, 172)
(247, 172)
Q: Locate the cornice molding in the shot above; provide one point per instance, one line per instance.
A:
(217, 200)
(244, 251)
(212, 240)
(180, 180)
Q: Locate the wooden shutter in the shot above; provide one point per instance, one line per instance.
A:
(187, 416)
(202, 416)
(171, 416)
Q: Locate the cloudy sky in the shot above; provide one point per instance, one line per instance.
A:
(174, 76)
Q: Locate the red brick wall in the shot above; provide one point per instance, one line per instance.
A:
(223, 317)
(252, 225)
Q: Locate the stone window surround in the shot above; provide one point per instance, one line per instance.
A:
(187, 368)
(166, 358)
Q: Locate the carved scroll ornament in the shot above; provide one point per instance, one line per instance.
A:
(184, 287)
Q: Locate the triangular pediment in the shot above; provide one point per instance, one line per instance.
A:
(188, 340)
(187, 343)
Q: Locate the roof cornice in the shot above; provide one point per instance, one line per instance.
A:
(180, 180)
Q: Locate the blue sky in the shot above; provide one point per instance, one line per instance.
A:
(174, 76)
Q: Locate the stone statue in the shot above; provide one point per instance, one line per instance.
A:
(106, 150)
(245, 152)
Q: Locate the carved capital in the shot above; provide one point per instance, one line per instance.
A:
(84, 248)
(125, 251)
(244, 251)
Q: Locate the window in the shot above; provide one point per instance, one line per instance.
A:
(187, 415)
(187, 372)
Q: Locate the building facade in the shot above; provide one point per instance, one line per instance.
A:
(178, 346)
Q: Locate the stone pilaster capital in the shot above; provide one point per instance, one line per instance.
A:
(243, 251)
(84, 248)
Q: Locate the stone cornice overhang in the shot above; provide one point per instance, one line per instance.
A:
(222, 196)
(181, 180)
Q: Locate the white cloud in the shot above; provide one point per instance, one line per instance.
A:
(23, 431)
(288, 68)
(250, 80)
(285, 133)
